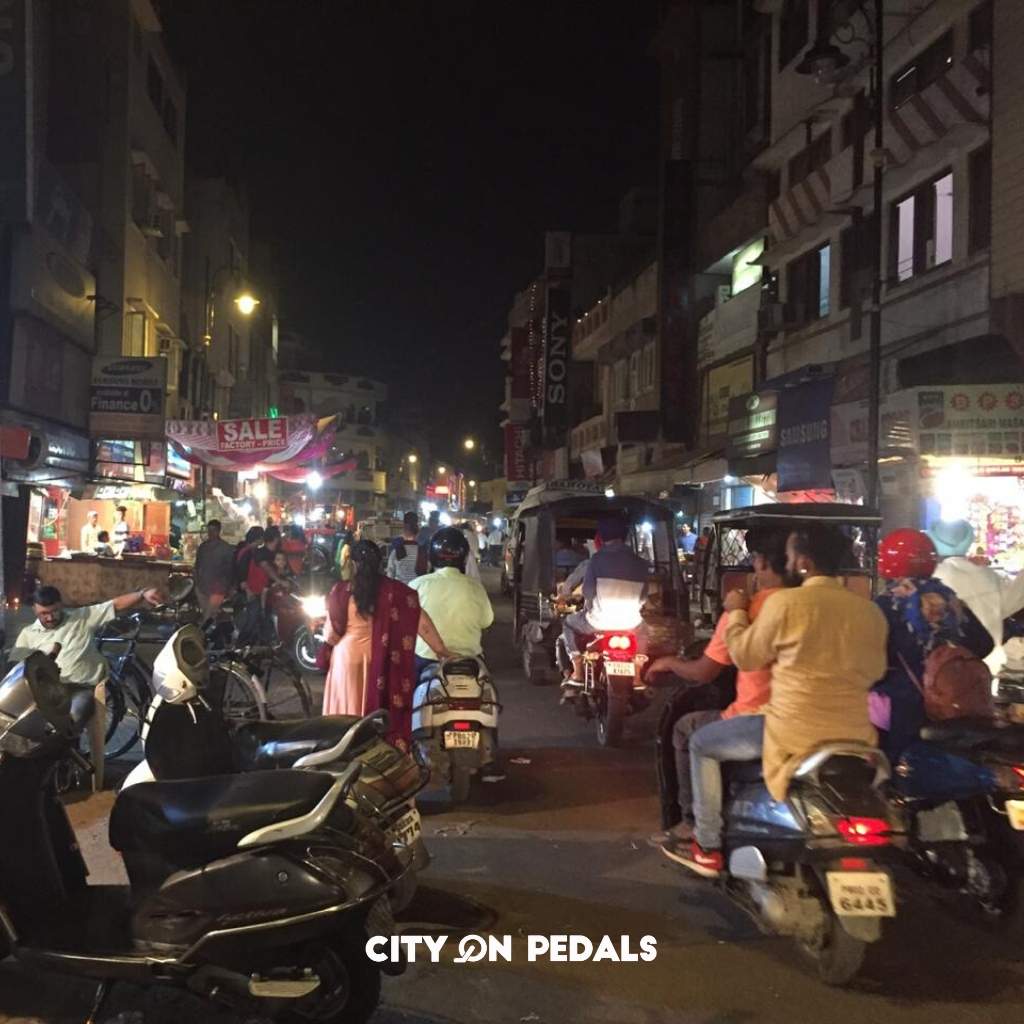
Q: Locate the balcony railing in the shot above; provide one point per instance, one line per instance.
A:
(591, 433)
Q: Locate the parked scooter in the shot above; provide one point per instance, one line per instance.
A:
(185, 735)
(455, 721)
(257, 891)
(963, 788)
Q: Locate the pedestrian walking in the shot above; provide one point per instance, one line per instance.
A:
(372, 625)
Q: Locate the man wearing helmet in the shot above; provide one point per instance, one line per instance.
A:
(457, 605)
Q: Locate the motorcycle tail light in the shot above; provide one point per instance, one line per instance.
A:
(620, 643)
(462, 726)
(853, 864)
(864, 831)
(473, 704)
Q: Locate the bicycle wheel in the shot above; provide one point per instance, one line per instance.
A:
(123, 721)
(243, 699)
(287, 693)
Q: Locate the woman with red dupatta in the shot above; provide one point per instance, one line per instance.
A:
(372, 624)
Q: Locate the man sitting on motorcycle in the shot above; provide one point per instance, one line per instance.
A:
(826, 646)
(457, 605)
(768, 551)
(614, 588)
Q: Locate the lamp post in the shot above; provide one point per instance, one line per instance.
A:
(823, 60)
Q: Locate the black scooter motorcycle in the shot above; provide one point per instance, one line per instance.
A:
(256, 890)
(814, 867)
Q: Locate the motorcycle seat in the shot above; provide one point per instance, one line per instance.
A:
(962, 734)
(742, 771)
(187, 823)
(281, 744)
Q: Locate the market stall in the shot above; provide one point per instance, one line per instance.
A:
(88, 579)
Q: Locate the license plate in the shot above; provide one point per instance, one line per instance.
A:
(453, 739)
(620, 668)
(408, 828)
(1015, 809)
(861, 893)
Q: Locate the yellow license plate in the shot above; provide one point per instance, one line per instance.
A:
(1015, 809)
(861, 893)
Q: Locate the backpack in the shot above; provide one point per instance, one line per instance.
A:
(956, 684)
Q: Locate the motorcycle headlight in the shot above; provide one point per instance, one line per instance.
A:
(315, 606)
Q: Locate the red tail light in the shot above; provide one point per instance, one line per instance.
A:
(864, 831)
(619, 645)
(1018, 770)
(462, 726)
(853, 863)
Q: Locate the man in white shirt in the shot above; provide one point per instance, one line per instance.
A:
(495, 542)
(458, 606)
(78, 658)
(89, 537)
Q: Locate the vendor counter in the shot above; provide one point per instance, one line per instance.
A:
(92, 579)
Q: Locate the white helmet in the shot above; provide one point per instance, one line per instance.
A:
(181, 669)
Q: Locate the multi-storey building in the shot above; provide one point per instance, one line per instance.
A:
(779, 258)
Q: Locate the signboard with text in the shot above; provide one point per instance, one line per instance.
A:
(252, 435)
(517, 438)
(127, 397)
(557, 331)
(973, 420)
(804, 461)
(752, 424)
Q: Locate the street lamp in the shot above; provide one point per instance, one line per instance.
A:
(469, 444)
(441, 471)
(246, 303)
(472, 483)
(314, 480)
(412, 459)
(823, 60)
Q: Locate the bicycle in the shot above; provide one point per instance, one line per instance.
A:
(129, 688)
(245, 684)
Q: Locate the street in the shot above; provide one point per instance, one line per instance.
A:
(559, 847)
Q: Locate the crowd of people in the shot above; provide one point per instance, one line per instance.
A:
(816, 662)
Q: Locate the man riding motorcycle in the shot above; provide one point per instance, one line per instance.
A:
(458, 606)
(768, 551)
(614, 588)
(826, 646)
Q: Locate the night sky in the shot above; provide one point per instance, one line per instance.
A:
(404, 158)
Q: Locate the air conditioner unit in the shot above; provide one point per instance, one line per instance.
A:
(771, 318)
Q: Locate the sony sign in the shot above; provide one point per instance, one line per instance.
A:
(14, 184)
(557, 332)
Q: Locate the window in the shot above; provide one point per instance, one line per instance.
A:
(980, 173)
(142, 196)
(134, 343)
(793, 30)
(809, 280)
(647, 360)
(856, 261)
(155, 85)
(922, 229)
(980, 27)
(930, 64)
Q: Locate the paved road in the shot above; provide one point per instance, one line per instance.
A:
(559, 847)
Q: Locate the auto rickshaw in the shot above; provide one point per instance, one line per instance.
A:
(727, 566)
(548, 534)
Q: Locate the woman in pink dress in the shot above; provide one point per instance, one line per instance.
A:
(372, 624)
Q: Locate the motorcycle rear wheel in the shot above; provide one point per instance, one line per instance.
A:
(304, 649)
(839, 957)
(611, 715)
(349, 991)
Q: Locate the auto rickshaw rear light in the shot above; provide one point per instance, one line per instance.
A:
(864, 831)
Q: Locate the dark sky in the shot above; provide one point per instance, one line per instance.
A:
(404, 158)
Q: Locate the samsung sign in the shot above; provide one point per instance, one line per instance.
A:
(804, 460)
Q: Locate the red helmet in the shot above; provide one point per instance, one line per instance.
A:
(906, 553)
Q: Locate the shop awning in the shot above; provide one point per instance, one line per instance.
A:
(263, 444)
(298, 474)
